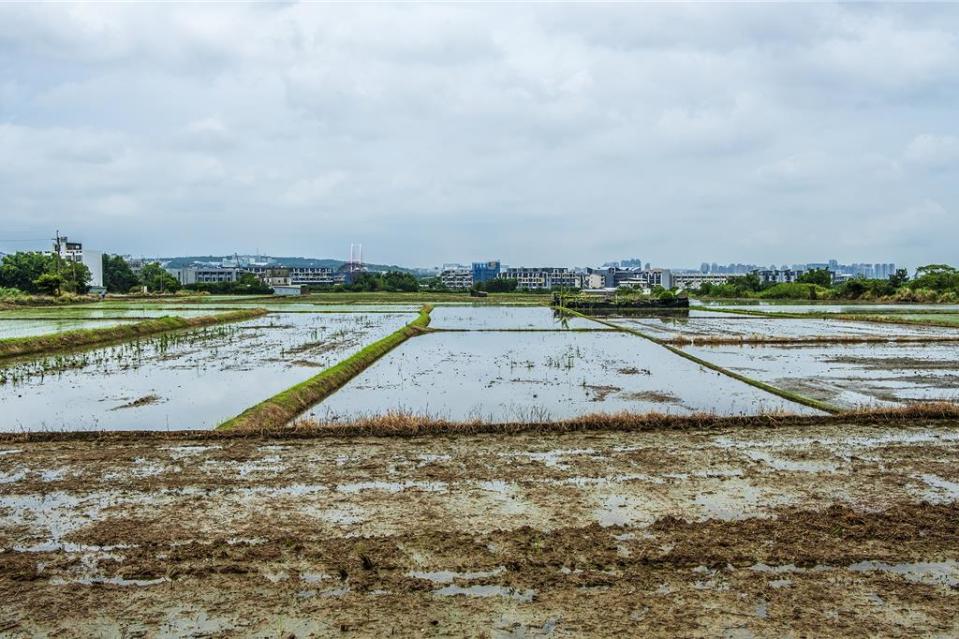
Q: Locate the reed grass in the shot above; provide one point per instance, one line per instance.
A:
(282, 408)
(33, 345)
(398, 424)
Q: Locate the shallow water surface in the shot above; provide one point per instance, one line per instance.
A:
(190, 379)
(505, 318)
(749, 326)
(540, 376)
(849, 375)
(33, 327)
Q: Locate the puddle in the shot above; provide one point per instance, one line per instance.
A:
(732, 500)
(939, 573)
(392, 487)
(944, 490)
(789, 465)
(524, 596)
(448, 576)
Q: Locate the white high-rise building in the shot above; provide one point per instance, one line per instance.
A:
(73, 252)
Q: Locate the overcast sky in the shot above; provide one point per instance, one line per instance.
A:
(547, 134)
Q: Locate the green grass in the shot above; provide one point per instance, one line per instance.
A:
(20, 346)
(281, 409)
(791, 396)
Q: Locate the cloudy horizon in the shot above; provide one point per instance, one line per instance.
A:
(535, 134)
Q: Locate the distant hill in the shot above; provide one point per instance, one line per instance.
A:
(190, 260)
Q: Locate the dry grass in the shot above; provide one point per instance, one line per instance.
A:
(20, 346)
(402, 424)
(407, 424)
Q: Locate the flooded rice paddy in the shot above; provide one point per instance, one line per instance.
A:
(477, 363)
(825, 307)
(31, 327)
(849, 375)
(505, 318)
(190, 379)
(751, 326)
(540, 377)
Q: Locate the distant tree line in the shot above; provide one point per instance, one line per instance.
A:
(45, 273)
(390, 281)
(932, 283)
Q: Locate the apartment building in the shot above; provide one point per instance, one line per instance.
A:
(457, 277)
(533, 278)
(74, 252)
(692, 281)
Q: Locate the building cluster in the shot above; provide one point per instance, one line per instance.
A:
(271, 275)
(633, 274)
(455, 276)
(787, 273)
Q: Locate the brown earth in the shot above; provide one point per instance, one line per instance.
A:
(811, 530)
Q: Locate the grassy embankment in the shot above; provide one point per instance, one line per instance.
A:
(20, 346)
(281, 409)
(785, 394)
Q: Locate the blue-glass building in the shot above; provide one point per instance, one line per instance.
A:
(485, 271)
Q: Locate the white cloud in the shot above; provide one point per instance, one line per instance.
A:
(934, 151)
(533, 133)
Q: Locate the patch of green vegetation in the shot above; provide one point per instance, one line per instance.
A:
(20, 346)
(282, 408)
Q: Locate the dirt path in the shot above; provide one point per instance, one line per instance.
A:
(794, 531)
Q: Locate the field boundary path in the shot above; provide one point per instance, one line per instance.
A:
(769, 388)
(287, 405)
(35, 345)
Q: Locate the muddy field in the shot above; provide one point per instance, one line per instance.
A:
(829, 530)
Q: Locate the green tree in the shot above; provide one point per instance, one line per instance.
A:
(497, 285)
(936, 277)
(49, 283)
(398, 281)
(743, 284)
(21, 270)
(899, 278)
(818, 276)
(118, 277)
(157, 280)
(76, 275)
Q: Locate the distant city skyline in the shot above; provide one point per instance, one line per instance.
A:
(530, 133)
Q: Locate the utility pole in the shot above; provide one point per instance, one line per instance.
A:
(56, 248)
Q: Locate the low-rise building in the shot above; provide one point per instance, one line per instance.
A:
(74, 252)
(693, 281)
(204, 274)
(778, 276)
(288, 291)
(543, 278)
(457, 278)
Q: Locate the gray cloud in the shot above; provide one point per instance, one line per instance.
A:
(564, 134)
